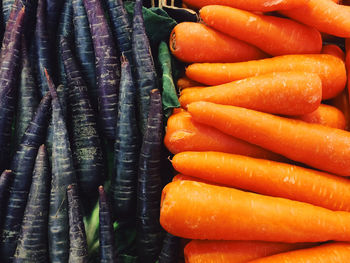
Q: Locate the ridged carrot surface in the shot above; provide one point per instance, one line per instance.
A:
(327, 253)
(185, 37)
(253, 5)
(267, 177)
(274, 35)
(326, 115)
(316, 145)
(205, 251)
(201, 211)
(287, 93)
(330, 69)
(184, 134)
(325, 15)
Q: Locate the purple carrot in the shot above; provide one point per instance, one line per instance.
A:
(107, 247)
(63, 174)
(28, 96)
(9, 72)
(86, 145)
(107, 66)
(22, 167)
(146, 76)
(149, 231)
(6, 179)
(78, 251)
(43, 55)
(32, 242)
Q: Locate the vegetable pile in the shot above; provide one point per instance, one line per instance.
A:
(261, 142)
(82, 116)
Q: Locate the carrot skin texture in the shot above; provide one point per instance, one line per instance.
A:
(28, 95)
(107, 66)
(185, 37)
(32, 245)
(334, 50)
(237, 217)
(63, 174)
(330, 69)
(106, 232)
(262, 31)
(257, 175)
(326, 253)
(6, 179)
(259, 5)
(86, 143)
(149, 232)
(78, 251)
(184, 134)
(170, 249)
(146, 76)
(65, 30)
(42, 48)
(10, 20)
(197, 251)
(184, 82)
(341, 102)
(22, 166)
(325, 115)
(300, 92)
(126, 148)
(121, 28)
(324, 15)
(10, 67)
(316, 145)
(84, 49)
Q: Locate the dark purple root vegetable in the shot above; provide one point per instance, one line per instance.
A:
(107, 246)
(146, 76)
(149, 231)
(22, 167)
(170, 249)
(63, 174)
(9, 71)
(84, 50)
(78, 251)
(86, 145)
(28, 96)
(32, 245)
(107, 67)
(43, 56)
(6, 179)
(126, 148)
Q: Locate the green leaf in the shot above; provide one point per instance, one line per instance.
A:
(169, 95)
(158, 23)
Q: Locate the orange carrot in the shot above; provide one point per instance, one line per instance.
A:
(184, 82)
(316, 145)
(178, 110)
(330, 69)
(214, 46)
(288, 93)
(183, 134)
(202, 251)
(327, 253)
(342, 103)
(202, 211)
(326, 115)
(252, 5)
(274, 35)
(325, 15)
(181, 177)
(267, 177)
(334, 50)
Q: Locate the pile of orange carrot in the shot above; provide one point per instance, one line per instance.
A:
(261, 143)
